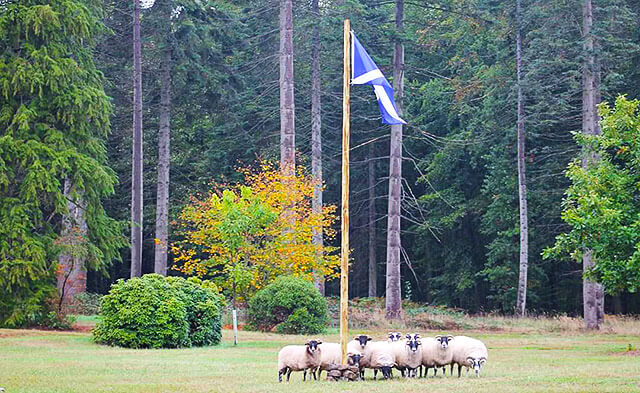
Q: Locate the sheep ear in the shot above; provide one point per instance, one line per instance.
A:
(408, 336)
(419, 342)
(319, 342)
(369, 338)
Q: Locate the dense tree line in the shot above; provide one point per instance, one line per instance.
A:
(478, 74)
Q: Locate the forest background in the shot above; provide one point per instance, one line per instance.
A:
(460, 208)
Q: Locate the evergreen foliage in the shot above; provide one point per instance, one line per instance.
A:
(157, 312)
(289, 305)
(460, 206)
(54, 117)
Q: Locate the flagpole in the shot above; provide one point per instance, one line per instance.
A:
(344, 262)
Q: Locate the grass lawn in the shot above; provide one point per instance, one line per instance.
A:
(41, 361)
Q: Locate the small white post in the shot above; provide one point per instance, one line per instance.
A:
(235, 327)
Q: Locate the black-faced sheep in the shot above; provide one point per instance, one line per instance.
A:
(407, 354)
(436, 352)
(380, 357)
(468, 352)
(299, 358)
(331, 354)
(394, 336)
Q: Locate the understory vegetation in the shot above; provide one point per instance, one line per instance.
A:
(158, 312)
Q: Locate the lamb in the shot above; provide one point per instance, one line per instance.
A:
(468, 352)
(331, 353)
(299, 358)
(436, 352)
(381, 358)
(408, 354)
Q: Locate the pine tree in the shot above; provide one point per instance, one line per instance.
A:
(521, 300)
(55, 118)
(164, 149)
(316, 135)
(393, 301)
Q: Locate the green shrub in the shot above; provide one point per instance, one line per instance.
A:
(158, 312)
(203, 307)
(288, 305)
(144, 312)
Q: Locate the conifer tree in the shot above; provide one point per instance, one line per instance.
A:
(54, 119)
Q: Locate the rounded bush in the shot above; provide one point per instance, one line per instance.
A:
(288, 305)
(203, 307)
(157, 312)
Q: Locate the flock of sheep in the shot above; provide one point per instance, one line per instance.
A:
(407, 355)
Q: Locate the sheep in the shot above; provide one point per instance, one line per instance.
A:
(468, 352)
(332, 354)
(381, 358)
(359, 344)
(436, 352)
(408, 354)
(394, 336)
(299, 358)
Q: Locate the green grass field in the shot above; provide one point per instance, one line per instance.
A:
(41, 361)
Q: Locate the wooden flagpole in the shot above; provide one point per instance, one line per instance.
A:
(344, 262)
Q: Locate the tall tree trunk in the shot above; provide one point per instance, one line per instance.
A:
(164, 157)
(592, 292)
(373, 287)
(316, 141)
(393, 300)
(136, 162)
(72, 272)
(521, 302)
(287, 107)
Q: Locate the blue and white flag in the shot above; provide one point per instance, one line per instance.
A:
(365, 72)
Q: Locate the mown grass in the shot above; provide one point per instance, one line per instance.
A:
(41, 361)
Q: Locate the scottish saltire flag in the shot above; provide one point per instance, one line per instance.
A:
(365, 72)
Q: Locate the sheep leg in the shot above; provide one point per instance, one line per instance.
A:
(288, 374)
(313, 370)
(435, 371)
(375, 373)
(459, 370)
(279, 375)
(444, 371)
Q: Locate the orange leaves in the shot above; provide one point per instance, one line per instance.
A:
(243, 236)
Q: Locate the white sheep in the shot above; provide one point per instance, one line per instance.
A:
(436, 352)
(380, 357)
(468, 352)
(394, 336)
(299, 358)
(360, 344)
(331, 353)
(407, 354)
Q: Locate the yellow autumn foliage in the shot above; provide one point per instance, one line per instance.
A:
(243, 236)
